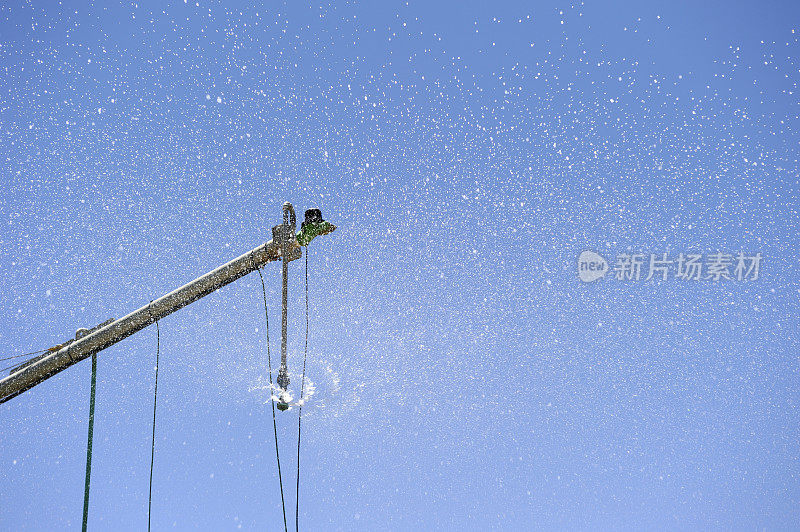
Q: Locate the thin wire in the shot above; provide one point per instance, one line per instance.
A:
(24, 355)
(17, 364)
(300, 411)
(89, 445)
(13, 366)
(274, 423)
(155, 403)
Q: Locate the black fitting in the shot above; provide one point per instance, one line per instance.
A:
(312, 216)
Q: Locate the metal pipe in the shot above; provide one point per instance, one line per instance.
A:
(83, 347)
(288, 240)
(284, 311)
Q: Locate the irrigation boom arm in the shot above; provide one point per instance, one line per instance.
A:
(29, 375)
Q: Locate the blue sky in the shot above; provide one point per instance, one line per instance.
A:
(468, 152)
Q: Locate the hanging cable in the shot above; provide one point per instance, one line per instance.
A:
(300, 411)
(89, 444)
(155, 403)
(269, 366)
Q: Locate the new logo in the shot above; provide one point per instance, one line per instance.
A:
(591, 266)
